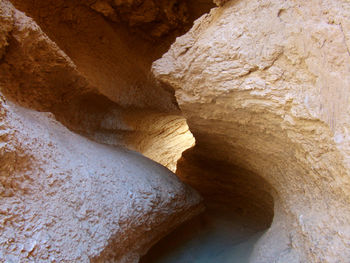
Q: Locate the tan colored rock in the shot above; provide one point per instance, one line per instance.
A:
(264, 86)
(220, 2)
(6, 22)
(115, 62)
(65, 198)
(38, 74)
(160, 137)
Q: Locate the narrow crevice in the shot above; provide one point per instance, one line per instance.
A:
(232, 146)
(239, 208)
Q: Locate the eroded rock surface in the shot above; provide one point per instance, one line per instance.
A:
(264, 86)
(65, 198)
(68, 199)
(114, 61)
(157, 17)
(90, 86)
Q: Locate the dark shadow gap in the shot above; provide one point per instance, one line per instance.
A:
(239, 210)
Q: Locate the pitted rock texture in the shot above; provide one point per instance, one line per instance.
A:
(65, 198)
(80, 85)
(113, 61)
(68, 199)
(264, 86)
(158, 17)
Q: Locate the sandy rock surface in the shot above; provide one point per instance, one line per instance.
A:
(159, 17)
(264, 86)
(68, 199)
(90, 86)
(65, 198)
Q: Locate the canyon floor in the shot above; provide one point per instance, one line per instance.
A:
(216, 235)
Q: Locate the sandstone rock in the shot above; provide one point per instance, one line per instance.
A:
(220, 2)
(158, 136)
(38, 74)
(5, 25)
(115, 62)
(65, 198)
(35, 71)
(264, 86)
(68, 199)
(157, 17)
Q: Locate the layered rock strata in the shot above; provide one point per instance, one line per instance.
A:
(264, 86)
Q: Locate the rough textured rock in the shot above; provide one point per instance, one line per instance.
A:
(5, 26)
(113, 58)
(220, 2)
(160, 137)
(153, 19)
(65, 198)
(157, 17)
(114, 61)
(90, 91)
(68, 199)
(264, 86)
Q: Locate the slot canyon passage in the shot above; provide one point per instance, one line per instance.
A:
(175, 131)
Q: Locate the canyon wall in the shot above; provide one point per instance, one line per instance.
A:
(264, 86)
(100, 83)
(64, 197)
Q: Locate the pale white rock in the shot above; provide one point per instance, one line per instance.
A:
(68, 199)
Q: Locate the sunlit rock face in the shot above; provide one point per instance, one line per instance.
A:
(94, 76)
(96, 80)
(64, 197)
(264, 86)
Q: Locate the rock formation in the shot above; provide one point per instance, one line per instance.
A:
(65, 198)
(156, 17)
(264, 86)
(107, 96)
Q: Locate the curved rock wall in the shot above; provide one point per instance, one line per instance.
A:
(264, 86)
(65, 198)
(68, 199)
(114, 61)
(94, 77)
